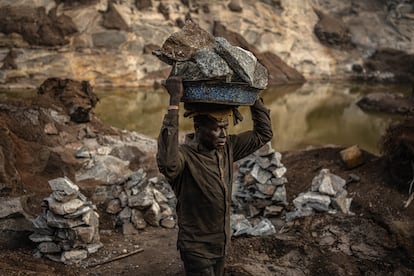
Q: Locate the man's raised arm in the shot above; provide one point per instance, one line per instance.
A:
(168, 157)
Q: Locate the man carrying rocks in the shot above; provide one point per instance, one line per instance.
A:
(200, 172)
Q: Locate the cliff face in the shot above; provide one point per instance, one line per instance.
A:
(109, 43)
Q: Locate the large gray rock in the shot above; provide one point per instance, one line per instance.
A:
(49, 247)
(56, 221)
(262, 176)
(313, 200)
(106, 169)
(85, 234)
(327, 183)
(114, 206)
(63, 189)
(205, 65)
(153, 215)
(74, 256)
(243, 63)
(64, 208)
(142, 200)
(11, 207)
(182, 45)
(137, 219)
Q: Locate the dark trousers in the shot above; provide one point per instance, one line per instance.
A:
(198, 266)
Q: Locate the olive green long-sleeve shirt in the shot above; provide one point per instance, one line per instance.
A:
(202, 181)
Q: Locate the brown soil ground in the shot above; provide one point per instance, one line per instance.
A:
(377, 240)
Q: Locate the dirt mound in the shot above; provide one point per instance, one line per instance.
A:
(40, 135)
(398, 150)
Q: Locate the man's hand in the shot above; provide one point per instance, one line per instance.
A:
(174, 86)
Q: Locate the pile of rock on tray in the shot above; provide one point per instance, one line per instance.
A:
(68, 229)
(197, 56)
(138, 202)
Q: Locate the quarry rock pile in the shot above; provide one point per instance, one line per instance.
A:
(259, 189)
(68, 229)
(138, 202)
(327, 194)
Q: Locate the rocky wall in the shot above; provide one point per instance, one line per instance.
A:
(109, 43)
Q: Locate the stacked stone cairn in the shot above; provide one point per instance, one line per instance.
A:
(327, 194)
(138, 202)
(68, 229)
(259, 190)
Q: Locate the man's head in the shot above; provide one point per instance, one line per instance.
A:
(211, 132)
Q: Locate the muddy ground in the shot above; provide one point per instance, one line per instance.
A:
(378, 239)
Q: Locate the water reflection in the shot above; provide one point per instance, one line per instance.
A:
(312, 114)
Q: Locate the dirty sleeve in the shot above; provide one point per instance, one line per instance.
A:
(248, 142)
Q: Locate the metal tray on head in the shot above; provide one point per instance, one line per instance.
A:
(219, 92)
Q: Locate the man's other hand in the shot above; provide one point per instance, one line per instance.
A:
(174, 86)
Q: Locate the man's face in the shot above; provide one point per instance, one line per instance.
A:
(213, 134)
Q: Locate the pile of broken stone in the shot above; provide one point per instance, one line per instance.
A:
(68, 229)
(327, 194)
(259, 194)
(258, 191)
(196, 55)
(138, 202)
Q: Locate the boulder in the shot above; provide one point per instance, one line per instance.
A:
(352, 157)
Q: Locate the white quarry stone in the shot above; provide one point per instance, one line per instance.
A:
(82, 210)
(85, 233)
(266, 189)
(10, 206)
(74, 256)
(279, 195)
(262, 176)
(314, 200)
(264, 227)
(125, 215)
(153, 215)
(93, 247)
(327, 183)
(105, 168)
(56, 221)
(49, 247)
(63, 184)
(239, 224)
(114, 206)
(91, 218)
(279, 172)
(36, 237)
(142, 200)
(159, 197)
(137, 219)
(65, 207)
(168, 222)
